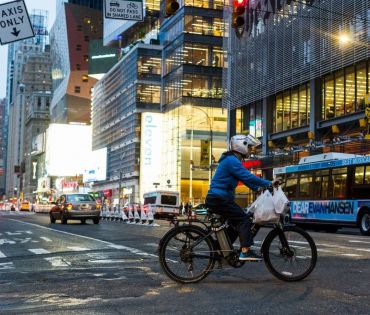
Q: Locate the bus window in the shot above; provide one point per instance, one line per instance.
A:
(291, 186)
(367, 175)
(339, 177)
(168, 200)
(359, 175)
(305, 186)
(320, 184)
(150, 200)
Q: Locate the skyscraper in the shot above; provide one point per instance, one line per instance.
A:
(70, 35)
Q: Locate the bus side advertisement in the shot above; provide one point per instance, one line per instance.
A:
(335, 210)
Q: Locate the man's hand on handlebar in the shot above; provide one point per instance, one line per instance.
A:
(275, 183)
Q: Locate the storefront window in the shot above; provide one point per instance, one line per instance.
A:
(350, 90)
(361, 86)
(303, 106)
(279, 113)
(287, 110)
(295, 109)
(329, 97)
(339, 93)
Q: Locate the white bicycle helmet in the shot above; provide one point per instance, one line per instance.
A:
(240, 143)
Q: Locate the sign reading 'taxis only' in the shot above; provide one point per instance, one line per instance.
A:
(15, 23)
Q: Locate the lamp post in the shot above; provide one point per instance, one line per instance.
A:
(210, 171)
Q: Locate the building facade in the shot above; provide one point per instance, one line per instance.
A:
(191, 97)
(298, 77)
(36, 74)
(129, 89)
(70, 35)
(17, 93)
(3, 104)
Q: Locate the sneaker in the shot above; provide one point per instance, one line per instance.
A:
(250, 256)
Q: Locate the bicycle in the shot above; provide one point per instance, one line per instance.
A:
(188, 252)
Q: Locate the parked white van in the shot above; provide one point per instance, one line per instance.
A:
(162, 203)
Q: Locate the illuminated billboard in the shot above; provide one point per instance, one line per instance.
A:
(150, 151)
(68, 149)
(96, 168)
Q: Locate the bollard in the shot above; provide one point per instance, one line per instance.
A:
(136, 215)
(144, 217)
(150, 216)
(124, 216)
(130, 215)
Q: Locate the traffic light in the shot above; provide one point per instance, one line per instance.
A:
(238, 11)
(171, 7)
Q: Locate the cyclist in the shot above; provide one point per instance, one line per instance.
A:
(220, 197)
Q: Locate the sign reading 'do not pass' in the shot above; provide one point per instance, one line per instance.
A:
(131, 10)
(15, 23)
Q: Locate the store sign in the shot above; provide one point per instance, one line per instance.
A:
(150, 151)
(15, 23)
(124, 10)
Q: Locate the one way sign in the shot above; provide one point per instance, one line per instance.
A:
(15, 23)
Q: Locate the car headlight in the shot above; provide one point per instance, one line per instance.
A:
(69, 206)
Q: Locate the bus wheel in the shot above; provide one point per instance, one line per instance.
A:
(365, 223)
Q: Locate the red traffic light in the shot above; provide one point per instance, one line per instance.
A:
(238, 9)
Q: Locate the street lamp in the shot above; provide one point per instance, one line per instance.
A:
(191, 149)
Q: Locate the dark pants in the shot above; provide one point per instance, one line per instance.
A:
(236, 216)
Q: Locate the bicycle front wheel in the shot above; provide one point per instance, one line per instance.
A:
(187, 254)
(291, 254)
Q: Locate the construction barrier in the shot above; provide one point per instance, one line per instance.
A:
(132, 214)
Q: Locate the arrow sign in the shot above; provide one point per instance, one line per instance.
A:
(15, 32)
(15, 23)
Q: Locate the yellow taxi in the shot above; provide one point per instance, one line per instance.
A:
(25, 206)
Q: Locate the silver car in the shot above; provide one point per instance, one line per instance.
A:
(75, 207)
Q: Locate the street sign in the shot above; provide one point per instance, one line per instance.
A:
(15, 23)
(131, 10)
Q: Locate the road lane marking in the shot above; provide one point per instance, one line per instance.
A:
(45, 239)
(78, 249)
(325, 250)
(58, 261)
(351, 255)
(39, 251)
(2, 255)
(112, 245)
(355, 241)
(7, 265)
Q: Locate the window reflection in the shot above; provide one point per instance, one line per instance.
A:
(292, 108)
(350, 90)
(203, 25)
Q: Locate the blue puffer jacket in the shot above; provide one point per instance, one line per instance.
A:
(229, 172)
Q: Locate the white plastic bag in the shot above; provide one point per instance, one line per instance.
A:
(280, 201)
(264, 209)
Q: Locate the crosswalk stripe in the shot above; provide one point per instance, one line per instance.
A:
(78, 249)
(8, 265)
(45, 239)
(58, 261)
(351, 255)
(39, 251)
(2, 255)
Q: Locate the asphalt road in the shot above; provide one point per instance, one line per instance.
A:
(112, 268)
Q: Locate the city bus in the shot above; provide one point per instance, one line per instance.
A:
(328, 191)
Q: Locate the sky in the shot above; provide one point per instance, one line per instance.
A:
(49, 5)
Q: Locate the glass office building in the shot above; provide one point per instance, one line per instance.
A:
(192, 61)
(130, 88)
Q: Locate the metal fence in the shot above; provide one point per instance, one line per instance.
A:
(294, 45)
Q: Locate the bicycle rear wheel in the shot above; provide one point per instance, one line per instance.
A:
(293, 262)
(187, 254)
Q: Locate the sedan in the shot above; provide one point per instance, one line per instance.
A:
(75, 207)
